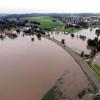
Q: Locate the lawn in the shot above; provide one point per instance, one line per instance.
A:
(69, 29)
(46, 22)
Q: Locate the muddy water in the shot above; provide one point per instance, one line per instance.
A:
(76, 43)
(29, 69)
(97, 59)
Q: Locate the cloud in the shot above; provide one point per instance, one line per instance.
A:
(68, 6)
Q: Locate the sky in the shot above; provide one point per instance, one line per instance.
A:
(49, 6)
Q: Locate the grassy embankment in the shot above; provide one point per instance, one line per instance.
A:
(95, 68)
(46, 22)
(70, 29)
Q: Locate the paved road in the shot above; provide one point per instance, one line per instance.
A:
(84, 66)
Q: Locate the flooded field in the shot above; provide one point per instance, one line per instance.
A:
(28, 69)
(76, 43)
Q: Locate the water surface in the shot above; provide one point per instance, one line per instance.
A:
(29, 69)
(76, 43)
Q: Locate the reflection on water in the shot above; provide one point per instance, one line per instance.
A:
(76, 43)
(28, 69)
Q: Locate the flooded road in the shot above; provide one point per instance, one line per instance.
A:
(29, 69)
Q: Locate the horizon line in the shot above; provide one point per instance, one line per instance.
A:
(52, 13)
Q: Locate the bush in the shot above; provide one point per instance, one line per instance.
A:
(96, 98)
(82, 93)
(50, 95)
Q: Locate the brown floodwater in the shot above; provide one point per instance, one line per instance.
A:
(29, 69)
(96, 60)
(75, 43)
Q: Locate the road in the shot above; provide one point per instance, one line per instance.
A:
(84, 66)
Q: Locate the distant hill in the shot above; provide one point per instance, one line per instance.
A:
(55, 15)
(3, 15)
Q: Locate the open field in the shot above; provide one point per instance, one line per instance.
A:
(46, 22)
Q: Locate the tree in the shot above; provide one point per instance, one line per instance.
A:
(82, 54)
(35, 22)
(72, 35)
(18, 30)
(93, 53)
(97, 32)
(63, 41)
(32, 39)
(93, 42)
(54, 20)
(98, 47)
(39, 36)
(83, 24)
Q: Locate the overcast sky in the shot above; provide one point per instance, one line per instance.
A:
(49, 6)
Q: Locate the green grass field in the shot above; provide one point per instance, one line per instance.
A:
(46, 22)
(69, 29)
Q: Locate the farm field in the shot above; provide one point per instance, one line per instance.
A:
(46, 22)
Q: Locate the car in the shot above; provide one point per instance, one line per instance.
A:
(98, 94)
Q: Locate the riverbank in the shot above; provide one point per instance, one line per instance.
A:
(95, 68)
